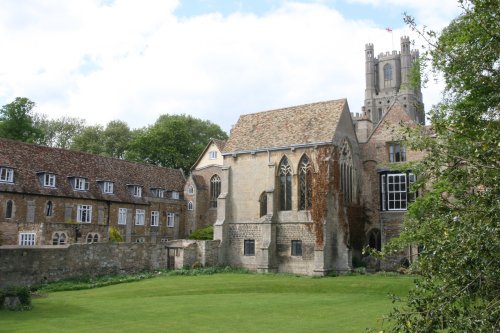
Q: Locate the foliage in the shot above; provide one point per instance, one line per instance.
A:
(90, 140)
(242, 302)
(206, 233)
(17, 121)
(174, 141)
(456, 221)
(59, 133)
(22, 293)
(117, 136)
(114, 235)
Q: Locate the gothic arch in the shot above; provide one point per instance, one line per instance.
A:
(347, 172)
(214, 190)
(305, 170)
(285, 184)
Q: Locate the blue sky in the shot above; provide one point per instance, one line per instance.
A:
(102, 60)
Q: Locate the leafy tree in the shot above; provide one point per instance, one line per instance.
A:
(117, 136)
(17, 121)
(173, 141)
(59, 133)
(90, 140)
(456, 221)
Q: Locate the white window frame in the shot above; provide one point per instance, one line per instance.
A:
(6, 175)
(84, 214)
(139, 216)
(175, 195)
(212, 155)
(397, 197)
(159, 193)
(190, 205)
(190, 189)
(170, 220)
(155, 218)
(81, 184)
(49, 180)
(137, 191)
(122, 216)
(27, 239)
(108, 187)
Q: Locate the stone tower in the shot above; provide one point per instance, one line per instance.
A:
(388, 79)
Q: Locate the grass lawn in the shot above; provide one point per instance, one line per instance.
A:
(226, 302)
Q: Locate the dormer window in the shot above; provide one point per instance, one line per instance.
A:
(49, 180)
(175, 195)
(80, 184)
(6, 175)
(108, 187)
(158, 192)
(135, 190)
(212, 155)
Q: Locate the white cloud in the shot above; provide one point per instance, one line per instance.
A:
(134, 60)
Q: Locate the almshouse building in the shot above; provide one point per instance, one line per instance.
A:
(51, 196)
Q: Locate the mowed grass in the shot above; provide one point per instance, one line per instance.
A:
(226, 302)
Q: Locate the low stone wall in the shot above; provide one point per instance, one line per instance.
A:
(34, 265)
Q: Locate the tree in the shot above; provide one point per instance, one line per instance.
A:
(455, 222)
(90, 140)
(117, 137)
(59, 133)
(173, 141)
(17, 121)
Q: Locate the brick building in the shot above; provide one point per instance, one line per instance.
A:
(52, 196)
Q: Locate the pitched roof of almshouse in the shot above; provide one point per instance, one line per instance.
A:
(29, 161)
(304, 124)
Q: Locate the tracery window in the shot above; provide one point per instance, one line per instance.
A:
(346, 172)
(59, 238)
(305, 183)
(214, 190)
(387, 72)
(285, 178)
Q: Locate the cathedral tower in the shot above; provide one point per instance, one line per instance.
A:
(388, 79)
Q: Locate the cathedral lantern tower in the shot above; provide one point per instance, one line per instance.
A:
(388, 80)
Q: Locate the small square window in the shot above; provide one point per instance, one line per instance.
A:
(81, 184)
(49, 180)
(6, 175)
(175, 195)
(297, 248)
(249, 247)
(108, 187)
(212, 155)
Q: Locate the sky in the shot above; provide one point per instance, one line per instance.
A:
(132, 60)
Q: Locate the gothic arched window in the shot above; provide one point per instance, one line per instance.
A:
(214, 190)
(305, 183)
(263, 204)
(387, 72)
(285, 178)
(346, 172)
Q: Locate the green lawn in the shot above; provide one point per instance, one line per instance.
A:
(227, 302)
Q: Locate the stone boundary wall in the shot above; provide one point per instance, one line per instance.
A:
(34, 265)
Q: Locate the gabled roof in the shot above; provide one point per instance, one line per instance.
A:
(218, 143)
(304, 124)
(28, 160)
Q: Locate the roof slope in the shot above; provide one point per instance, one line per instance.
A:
(27, 160)
(302, 124)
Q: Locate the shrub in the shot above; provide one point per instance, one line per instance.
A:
(114, 235)
(203, 234)
(23, 295)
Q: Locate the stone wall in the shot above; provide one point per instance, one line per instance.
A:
(34, 265)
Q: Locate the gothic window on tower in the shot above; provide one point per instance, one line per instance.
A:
(387, 75)
(214, 190)
(285, 179)
(305, 183)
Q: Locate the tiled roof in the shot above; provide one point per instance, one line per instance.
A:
(220, 144)
(29, 160)
(302, 124)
